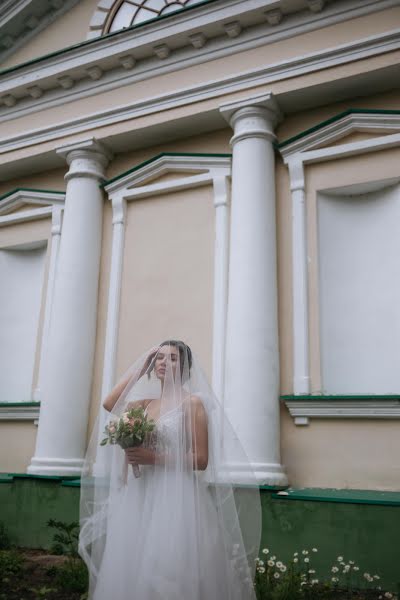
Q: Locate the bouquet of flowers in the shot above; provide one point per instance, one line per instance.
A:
(129, 431)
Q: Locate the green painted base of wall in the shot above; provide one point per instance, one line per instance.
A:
(358, 525)
(367, 532)
(27, 503)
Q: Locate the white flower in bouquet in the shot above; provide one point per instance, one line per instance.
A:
(129, 431)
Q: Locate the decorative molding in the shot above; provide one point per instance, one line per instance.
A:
(165, 163)
(340, 126)
(342, 408)
(18, 198)
(50, 204)
(136, 184)
(27, 411)
(56, 227)
(26, 19)
(205, 91)
(301, 376)
(303, 150)
(95, 66)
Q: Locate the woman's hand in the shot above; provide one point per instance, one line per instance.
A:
(141, 456)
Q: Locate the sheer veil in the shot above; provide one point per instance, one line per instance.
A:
(179, 530)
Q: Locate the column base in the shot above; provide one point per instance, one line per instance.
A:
(56, 466)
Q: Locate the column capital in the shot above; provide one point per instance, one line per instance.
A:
(87, 158)
(251, 117)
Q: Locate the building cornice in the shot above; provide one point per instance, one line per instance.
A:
(135, 54)
(303, 408)
(204, 91)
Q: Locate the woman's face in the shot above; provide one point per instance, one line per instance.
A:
(165, 355)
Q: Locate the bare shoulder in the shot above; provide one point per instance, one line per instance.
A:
(196, 405)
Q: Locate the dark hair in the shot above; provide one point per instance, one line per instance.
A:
(185, 353)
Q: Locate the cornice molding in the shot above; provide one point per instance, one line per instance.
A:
(345, 407)
(340, 126)
(131, 55)
(204, 91)
(27, 411)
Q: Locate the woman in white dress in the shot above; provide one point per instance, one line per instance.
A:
(181, 529)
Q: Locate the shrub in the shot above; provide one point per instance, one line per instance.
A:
(73, 575)
(10, 564)
(4, 537)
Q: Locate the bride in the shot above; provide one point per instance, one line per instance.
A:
(165, 520)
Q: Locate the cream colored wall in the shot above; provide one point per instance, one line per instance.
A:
(17, 445)
(69, 29)
(46, 180)
(167, 285)
(354, 454)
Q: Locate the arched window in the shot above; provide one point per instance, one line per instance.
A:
(126, 13)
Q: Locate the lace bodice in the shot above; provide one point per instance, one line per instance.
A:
(167, 430)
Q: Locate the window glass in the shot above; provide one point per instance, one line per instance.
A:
(133, 12)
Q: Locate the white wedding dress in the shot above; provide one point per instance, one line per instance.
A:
(152, 551)
(174, 533)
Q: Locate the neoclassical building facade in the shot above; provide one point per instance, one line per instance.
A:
(221, 171)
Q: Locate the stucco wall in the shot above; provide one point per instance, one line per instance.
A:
(67, 30)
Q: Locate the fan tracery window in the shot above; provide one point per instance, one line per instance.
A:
(126, 13)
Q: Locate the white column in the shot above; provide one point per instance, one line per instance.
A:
(301, 375)
(114, 296)
(66, 383)
(56, 224)
(252, 356)
(221, 259)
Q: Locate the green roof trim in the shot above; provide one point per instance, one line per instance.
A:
(71, 483)
(105, 36)
(343, 496)
(8, 404)
(340, 397)
(345, 113)
(157, 157)
(13, 191)
(9, 477)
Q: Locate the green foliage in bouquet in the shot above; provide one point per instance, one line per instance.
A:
(129, 430)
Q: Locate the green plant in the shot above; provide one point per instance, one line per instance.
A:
(65, 540)
(298, 580)
(10, 564)
(42, 592)
(73, 575)
(4, 537)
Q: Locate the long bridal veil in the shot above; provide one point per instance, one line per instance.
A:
(175, 532)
